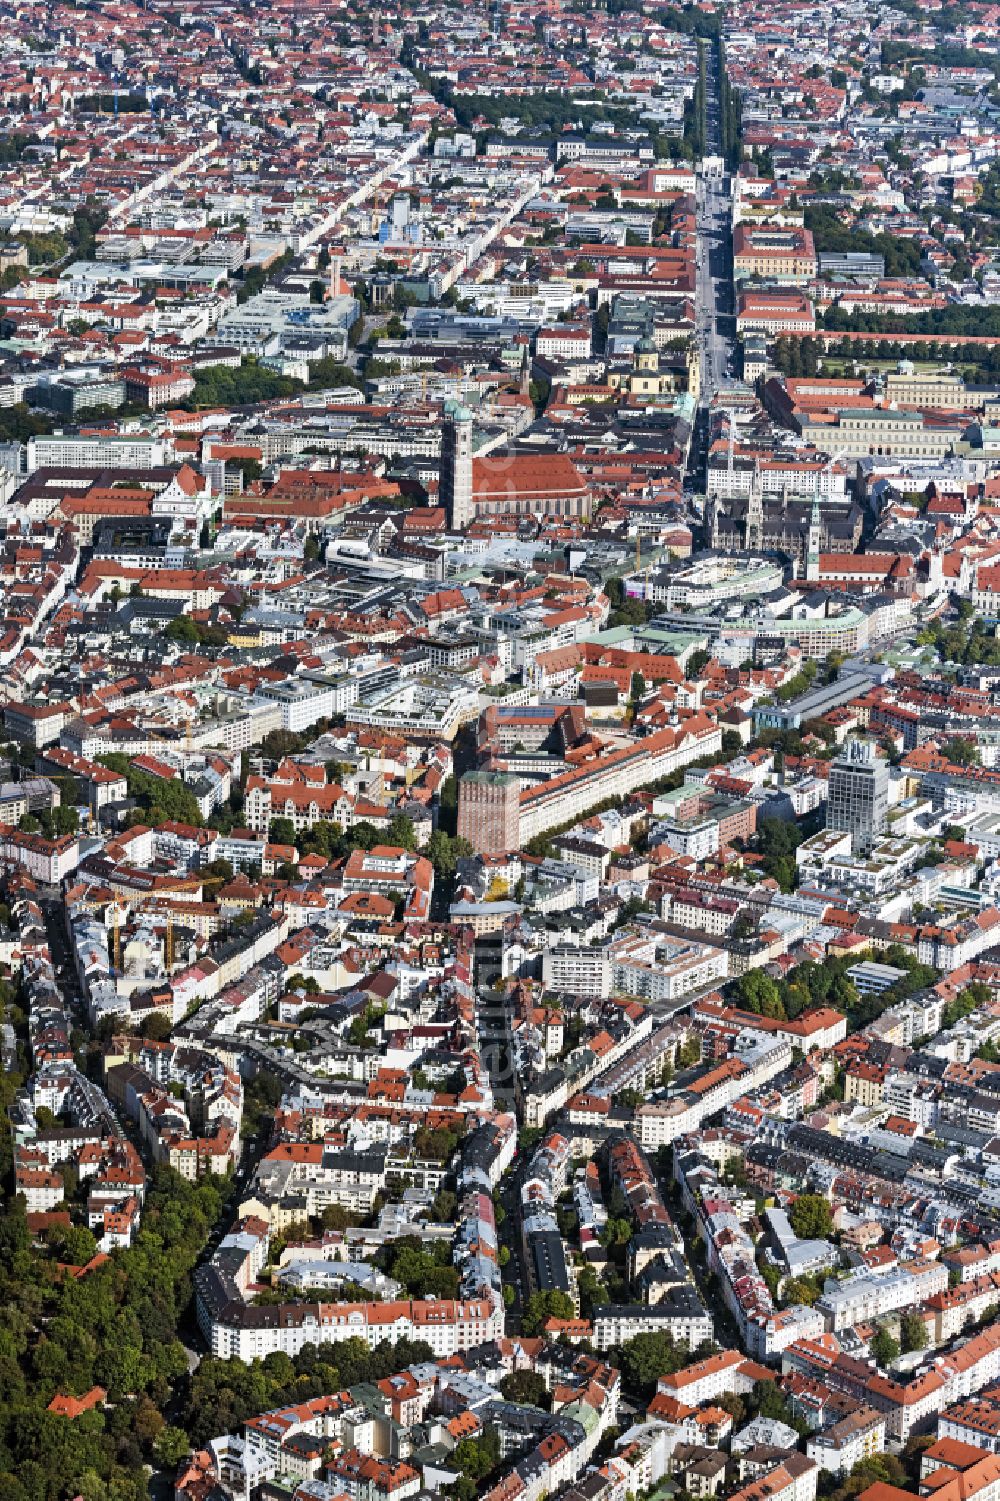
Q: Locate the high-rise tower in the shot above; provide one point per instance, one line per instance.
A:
(455, 475)
(858, 795)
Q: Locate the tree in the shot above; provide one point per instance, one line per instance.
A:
(769, 1401)
(171, 1446)
(73, 1244)
(912, 1333)
(148, 1423)
(365, 836)
(448, 806)
(117, 1327)
(647, 1357)
(689, 1052)
(230, 1391)
(777, 841)
(805, 1289)
(400, 832)
(758, 992)
(526, 1387)
(962, 751)
(336, 1217)
(593, 1292)
(464, 1488)
(972, 997)
(811, 1217)
(57, 821)
(617, 1230)
(875, 1469)
(260, 1100)
(444, 852)
(543, 1306)
(156, 1026)
(478, 1456)
(884, 1346)
(361, 1026)
(735, 1406)
(444, 1206)
(159, 798)
(183, 630)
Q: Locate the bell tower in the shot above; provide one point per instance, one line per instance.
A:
(813, 542)
(755, 518)
(455, 474)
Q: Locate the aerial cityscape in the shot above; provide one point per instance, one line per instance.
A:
(500, 750)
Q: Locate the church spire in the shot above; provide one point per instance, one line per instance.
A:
(813, 541)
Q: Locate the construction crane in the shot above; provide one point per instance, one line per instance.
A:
(829, 466)
(168, 946)
(116, 937)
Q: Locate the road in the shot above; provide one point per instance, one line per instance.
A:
(514, 1274)
(54, 917)
(714, 308)
(714, 295)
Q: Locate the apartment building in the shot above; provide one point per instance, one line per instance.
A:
(247, 1332)
(657, 968)
(577, 970)
(866, 1296)
(839, 1448)
(795, 1479)
(728, 1373)
(615, 774)
(681, 1315)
